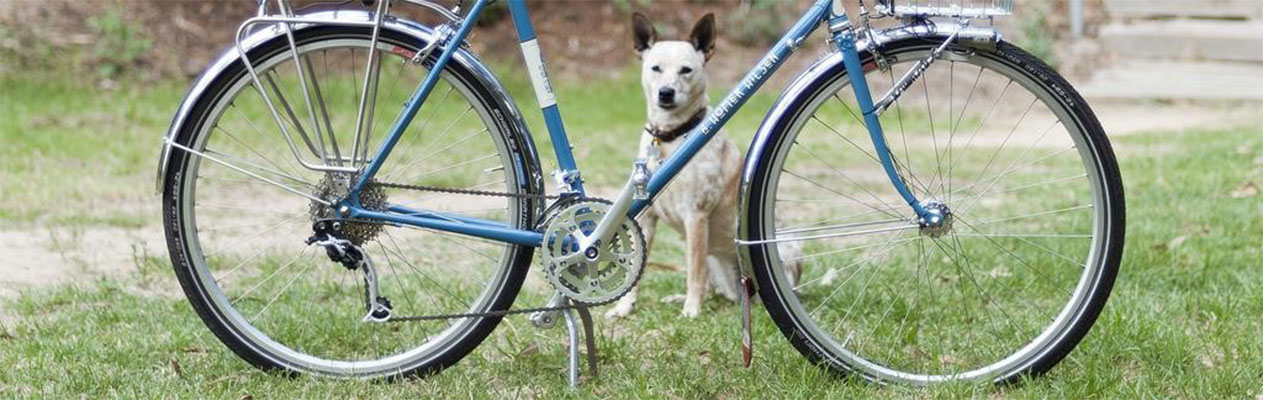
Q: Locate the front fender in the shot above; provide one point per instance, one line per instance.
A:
(532, 179)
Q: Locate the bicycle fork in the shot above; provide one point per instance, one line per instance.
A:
(929, 214)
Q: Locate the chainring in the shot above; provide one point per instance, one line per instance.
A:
(617, 265)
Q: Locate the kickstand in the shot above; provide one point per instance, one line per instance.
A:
(589, 336)
(747, 337)
(590, 341)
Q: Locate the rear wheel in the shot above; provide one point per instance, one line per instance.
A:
(237, 237)
(1007, 288)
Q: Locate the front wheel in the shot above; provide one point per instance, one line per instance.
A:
(1006, 288)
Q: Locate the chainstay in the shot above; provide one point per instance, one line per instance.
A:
(471, 192)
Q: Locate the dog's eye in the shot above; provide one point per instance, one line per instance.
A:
(686, 71)
(656, 68)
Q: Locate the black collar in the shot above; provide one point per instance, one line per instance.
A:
(669, 135)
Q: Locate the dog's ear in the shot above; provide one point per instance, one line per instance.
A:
(703, 36)
(643, 32)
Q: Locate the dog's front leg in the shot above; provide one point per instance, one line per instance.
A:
(696, 233)
(648, 224)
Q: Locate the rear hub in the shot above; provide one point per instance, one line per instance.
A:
(334, 188)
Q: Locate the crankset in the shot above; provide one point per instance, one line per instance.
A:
(600, 273)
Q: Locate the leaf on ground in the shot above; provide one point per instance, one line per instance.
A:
(175, 366)
(1206, 361)
(5, 332)
(949, 360)
(1209, 360)
(194, 350)
(530, 350)
(663, 267)
(1249, 189)
(1000, 271)
(703, 357)
(1176, 242)
(651, 334)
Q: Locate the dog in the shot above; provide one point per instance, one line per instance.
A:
(701, 201)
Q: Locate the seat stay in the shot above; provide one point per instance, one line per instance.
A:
(414, 103)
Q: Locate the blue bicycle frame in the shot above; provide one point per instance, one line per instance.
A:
(821, 12)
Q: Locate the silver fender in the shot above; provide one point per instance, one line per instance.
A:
(807, 81)
(530, 182)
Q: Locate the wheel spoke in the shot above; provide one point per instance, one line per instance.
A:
(890, 211)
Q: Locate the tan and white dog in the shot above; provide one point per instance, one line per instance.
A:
(701, 201)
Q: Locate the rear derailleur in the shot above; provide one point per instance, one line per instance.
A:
(353, 258)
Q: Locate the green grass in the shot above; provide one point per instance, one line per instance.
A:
(1182, 321)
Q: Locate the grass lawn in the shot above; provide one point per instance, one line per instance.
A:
(1183, 321)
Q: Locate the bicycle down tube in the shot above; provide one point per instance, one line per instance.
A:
(822, 11)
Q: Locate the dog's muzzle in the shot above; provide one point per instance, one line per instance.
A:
(666, 97)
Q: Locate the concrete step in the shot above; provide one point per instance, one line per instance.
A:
(1162, 79)
(1184, 8)
(1186, 39)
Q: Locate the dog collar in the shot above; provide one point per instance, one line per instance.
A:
(669, 135)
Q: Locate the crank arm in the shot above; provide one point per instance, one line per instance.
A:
(610, 221)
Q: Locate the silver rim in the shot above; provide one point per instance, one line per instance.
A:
(868, 300)
(421, 271)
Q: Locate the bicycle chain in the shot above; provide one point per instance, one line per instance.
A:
(471, 192)
(500, 313)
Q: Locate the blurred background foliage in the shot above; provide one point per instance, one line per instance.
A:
(149, 40)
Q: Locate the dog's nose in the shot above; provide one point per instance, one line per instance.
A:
(666, 95)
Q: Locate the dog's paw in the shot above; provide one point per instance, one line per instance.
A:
(620, 310)
(692, 309)
(675, 298)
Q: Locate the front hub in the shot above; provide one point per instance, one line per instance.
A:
(939, 220)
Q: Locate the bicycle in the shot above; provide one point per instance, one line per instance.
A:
(980, 244)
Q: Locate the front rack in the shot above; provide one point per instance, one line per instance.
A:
(971, 9)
